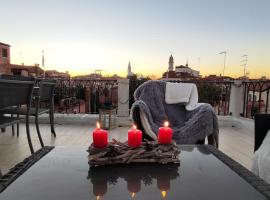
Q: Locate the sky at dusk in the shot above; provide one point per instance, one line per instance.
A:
(80, 36)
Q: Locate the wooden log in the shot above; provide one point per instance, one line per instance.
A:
(120, 153)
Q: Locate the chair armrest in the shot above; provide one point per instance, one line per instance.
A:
(136, 117)
(262, 125)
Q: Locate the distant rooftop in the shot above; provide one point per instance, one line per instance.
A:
(4, 44)
(182, 66)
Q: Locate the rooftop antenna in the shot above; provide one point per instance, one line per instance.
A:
(98, 71)
(245, 63)
(224, 64)
(247, 73)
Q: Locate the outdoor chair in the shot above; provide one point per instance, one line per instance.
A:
(14, 93)
(261, 160)
(18, 78)
(159, 101)
(262, 125)
(43, 93)
(8, 121)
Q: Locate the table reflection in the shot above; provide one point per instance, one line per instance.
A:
(134, 175)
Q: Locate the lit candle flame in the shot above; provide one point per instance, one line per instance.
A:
(98, 125)
(133, 194)
(134, 126)
(166, 123)
(98, 197)
(163, 193)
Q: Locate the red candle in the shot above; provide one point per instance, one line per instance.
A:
(100, 137)
(134, 137)
(165, 134)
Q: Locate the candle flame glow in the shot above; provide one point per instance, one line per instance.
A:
(98, 197)
(133, 194)
(98, 125)
(163, 193)
(166, 123)
(134, 126)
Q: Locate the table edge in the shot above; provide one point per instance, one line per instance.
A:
(254, 180)
(16, 171)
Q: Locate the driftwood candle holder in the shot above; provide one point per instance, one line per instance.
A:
(120, 153)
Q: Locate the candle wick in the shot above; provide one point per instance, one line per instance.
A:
(166, 124)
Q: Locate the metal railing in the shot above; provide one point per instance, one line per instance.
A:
(256, 97)
(216, 93)
(85, 95)
(88, 95)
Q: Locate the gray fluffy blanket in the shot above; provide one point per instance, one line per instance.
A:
(189, 127)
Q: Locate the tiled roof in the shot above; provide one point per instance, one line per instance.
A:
(181, 66)
(4, 44)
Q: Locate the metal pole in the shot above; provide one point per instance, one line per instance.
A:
(224, 63)
(229, 96)
(260, 96)
(267, 101)
(248, 90)
(245, 64)
(43, 64)
(80, 99)
(244, 104)
(253, 101)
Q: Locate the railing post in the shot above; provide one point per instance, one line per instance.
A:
(267, 101)
(253, 101)
(260, 97)
(245, 99)
(123, 97)
(236, 98)
(79, 99)
(87, 99)
(248, 100)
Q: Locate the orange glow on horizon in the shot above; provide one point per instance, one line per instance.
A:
(256, 69)
(76, 65)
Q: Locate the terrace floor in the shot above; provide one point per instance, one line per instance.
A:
(234, 142)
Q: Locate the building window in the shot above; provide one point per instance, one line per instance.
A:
(4, 53)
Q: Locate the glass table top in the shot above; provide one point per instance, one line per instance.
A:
(64, 174)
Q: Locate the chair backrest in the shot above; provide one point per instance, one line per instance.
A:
(262, 125)
(46, 89)
(16, 77)
(15, 92)
(152, 93)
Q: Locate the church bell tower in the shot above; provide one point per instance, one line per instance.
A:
(171, 64)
